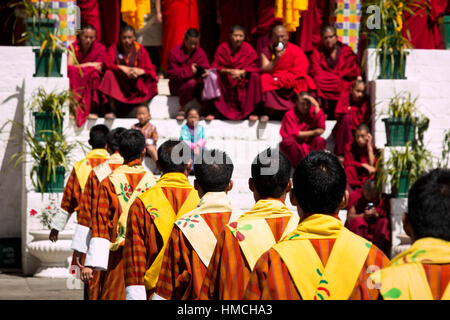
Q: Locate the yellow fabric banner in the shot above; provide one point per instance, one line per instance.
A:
(83, 167)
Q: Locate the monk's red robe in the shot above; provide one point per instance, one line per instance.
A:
(228, 273)
(90, 14)
(311, 22)
(110, 21)
(236, 12)
(117, 85)
(85, 86)
(334, 77)
(182, 82)
(265, 21)
(354, 157)
(349, 120)
(178, 16)
(271, 280)
(238, 97)
(182, 270)
(105, 219)
(424, 27)
(288, 77)
(377, 231)
(293, 147)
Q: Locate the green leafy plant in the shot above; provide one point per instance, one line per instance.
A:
(445, 151)
(48, 212)
(403, 106)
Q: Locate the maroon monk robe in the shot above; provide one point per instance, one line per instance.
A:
(236, 12)
(311, 23)
(265, 21)
(238, 97)
(182, 82)
(289, 77)
(348, 120)
(85, 86)
(333, 77)
(354, 157)
(424, 27)
(90, 14)
(117, 85)
(110, 21)
(378, 230)
(293, 122)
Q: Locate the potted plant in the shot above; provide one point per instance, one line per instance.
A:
(50, 160)
(36, 18)
(401, 122)
(404, 166)
(53, 256)
(445, 27)
(392, 44)
(48, 111)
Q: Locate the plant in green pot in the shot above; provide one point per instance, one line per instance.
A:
(392, 43)
(406, 164)
(402, 119)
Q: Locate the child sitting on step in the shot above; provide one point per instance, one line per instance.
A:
(193, 133)
(148, 130)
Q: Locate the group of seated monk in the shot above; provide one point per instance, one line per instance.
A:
(250, 86)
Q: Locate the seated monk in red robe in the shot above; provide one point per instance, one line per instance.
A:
(186, 69)
(368, 215)
(130, 76)
(424, 28)
(334, 67)
(89, 54)
(301, 128)
(237, 63)
(285, 74)
(353, 108)
(359, 158)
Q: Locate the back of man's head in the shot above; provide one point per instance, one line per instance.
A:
(429, 205)
(97, 136)
(131, 144)
(173, 156)
(319, 183)
(271, 173)
(214, 171)
(113, 139)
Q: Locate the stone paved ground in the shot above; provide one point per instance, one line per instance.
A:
(20, 287)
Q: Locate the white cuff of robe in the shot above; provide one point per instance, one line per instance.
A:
(98, 254)
(157, 297)
(81, 238)
(59, 221)
(135, 293)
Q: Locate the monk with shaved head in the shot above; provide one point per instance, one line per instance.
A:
(285, 74)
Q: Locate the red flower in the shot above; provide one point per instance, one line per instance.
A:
(33, 212)
(49, 207)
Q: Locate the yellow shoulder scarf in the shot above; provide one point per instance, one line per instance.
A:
(103, 170)
(195, 228)
(83, 167)
(164, 216)
(405, 278)
(254, 234)
(337, 280)
(289, 11)
(126, 198)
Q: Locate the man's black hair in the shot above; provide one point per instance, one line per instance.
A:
(271, 171)
(127, 28)
(89, 27)
(364, 127)
(192, 33)
(113, 139)
(429, 205)
(235, 27)
(319, 183)
(173, 156)
(131, 144)
(214, 171)
(97, 136)
(327, 28)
